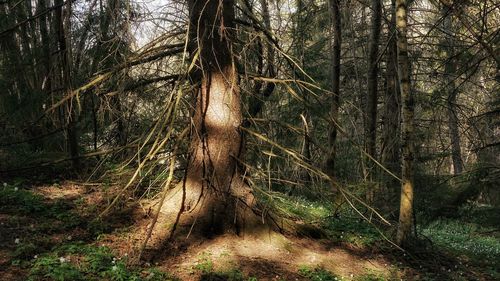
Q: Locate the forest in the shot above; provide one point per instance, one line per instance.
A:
(249, 140)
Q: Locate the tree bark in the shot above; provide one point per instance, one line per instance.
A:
(263, 90)
(214, 195)
(407, 140)
(46, 57)
(335, 77)
(372, 95)
(62, 23)
(300, 33)
(390, 156)
(450, 68)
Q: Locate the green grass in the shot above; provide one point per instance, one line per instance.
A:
(473, 236)
(346, 226)
(14, 199)
(299, 207)
(464, 238)
(72, 261)
(317, 274)
(352, 230)
(19, 201)
(79, 261)
(370, 276)
(205, 266)
(205, 263)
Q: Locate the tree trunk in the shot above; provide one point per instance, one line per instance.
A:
(371, 99)
(450, 68)
(46, 57)
(407, 142)
(262, 93)
(63, 37)
(300, 33)
(390, 156)
(10, 44)
(214, 195)
(335, 76)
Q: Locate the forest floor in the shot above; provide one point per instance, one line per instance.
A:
(48, 231)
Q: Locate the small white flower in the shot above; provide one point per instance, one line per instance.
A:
(17, 241)
(62, 260)
(70, 237)
(4, 184)
(35, 256)
(16, 188)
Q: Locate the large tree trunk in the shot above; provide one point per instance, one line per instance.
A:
(214, 195)
(407, 142)
(335, 76)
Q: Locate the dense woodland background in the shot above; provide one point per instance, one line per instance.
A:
(373, 125)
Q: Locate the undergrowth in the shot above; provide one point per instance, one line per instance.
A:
(33, 219)
(473, 237)
(344, 226)
(317, 274)
(78, 261)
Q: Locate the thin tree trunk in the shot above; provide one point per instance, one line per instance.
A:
(63, 37)
(390, 156)
(450, 69)
(300, 34)
(262, 93)
(10, 44)
(46, 57)
(335, 77)
(456, 151)
(371, 99)
(407, 140)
